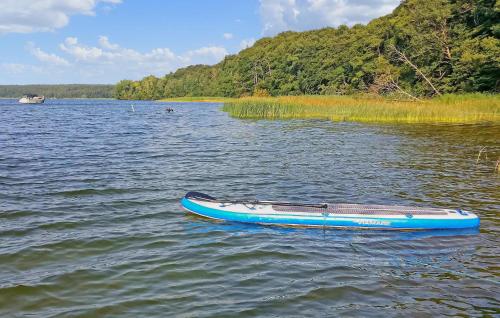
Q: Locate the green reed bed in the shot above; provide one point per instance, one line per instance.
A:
(473, 108)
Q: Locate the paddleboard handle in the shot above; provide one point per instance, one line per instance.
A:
(205, 197)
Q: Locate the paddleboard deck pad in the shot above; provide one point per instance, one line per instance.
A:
(328, 215)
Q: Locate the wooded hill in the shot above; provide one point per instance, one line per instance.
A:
(423, 48)
(58, 91)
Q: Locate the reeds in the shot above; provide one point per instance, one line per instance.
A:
(470, 108)
(484, 150)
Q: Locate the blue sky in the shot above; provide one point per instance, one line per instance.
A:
(103, 41)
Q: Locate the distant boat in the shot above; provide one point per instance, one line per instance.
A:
(32, 99)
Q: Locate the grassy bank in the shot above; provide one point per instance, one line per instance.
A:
(198, 99)
(471, 108)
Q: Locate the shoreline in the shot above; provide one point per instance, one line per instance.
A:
(198, 99)
(453, 108)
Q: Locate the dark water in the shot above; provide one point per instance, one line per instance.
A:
(91, 226)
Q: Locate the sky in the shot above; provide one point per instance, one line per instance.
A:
(104, 41)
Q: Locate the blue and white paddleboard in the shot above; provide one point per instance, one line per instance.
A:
(328, 215)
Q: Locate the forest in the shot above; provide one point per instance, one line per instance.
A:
(422, 49)
(58, 91)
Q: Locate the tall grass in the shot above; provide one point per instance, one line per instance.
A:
(470, 108)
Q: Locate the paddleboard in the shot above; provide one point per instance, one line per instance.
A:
(328, 215)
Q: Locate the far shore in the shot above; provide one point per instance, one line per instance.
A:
(198, 99)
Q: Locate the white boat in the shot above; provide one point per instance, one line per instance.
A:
(32, 99)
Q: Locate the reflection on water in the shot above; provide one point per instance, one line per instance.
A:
(90, 221)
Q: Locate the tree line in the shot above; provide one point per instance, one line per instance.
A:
(59, 91)
(423, 48)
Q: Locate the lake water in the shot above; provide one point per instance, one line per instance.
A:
(91, 225)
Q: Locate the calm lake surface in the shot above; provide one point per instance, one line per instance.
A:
(91, 225)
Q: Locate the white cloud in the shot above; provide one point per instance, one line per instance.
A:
(105, 62)
(110, 53)
(215, 53)
(46, 57)
(80, 53)
(105, 44)
(246, 43)
(299, 15)
(25, 16)
(17, 69)
(71, 40)
(227, 36)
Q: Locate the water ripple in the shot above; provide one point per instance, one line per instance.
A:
(90, 221)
